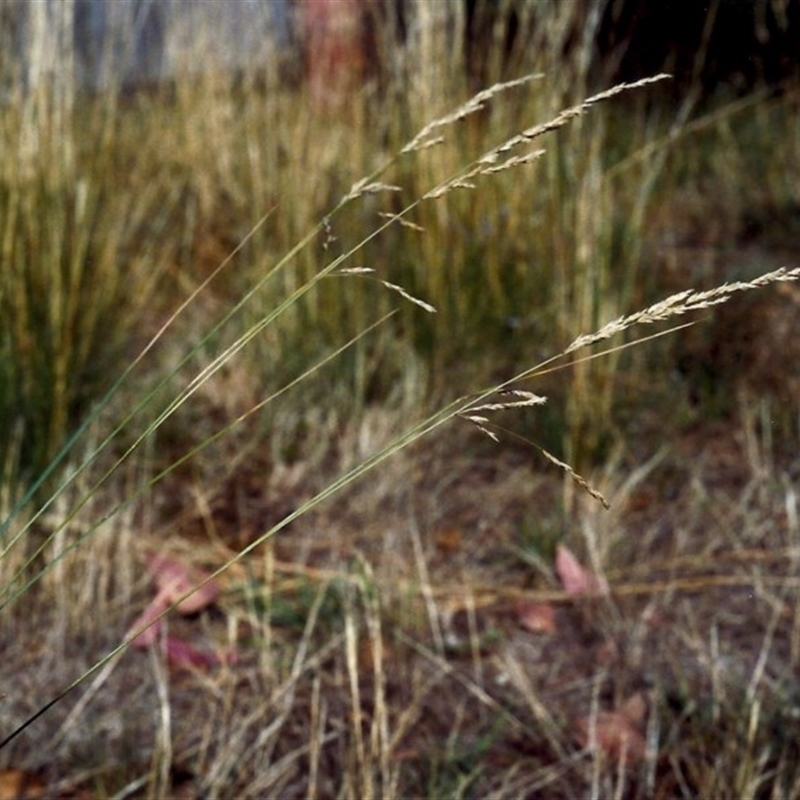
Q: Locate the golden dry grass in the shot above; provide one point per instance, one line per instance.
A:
(376, 552)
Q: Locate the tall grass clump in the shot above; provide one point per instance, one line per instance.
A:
(83, 257)
(510, 263)
(335, 329)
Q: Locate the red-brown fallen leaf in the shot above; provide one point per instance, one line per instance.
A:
(184, 655)
(614, 735)
(368, 652)
(635, 708)
(16, 784)
(536, 617)
(449, 540)
(575, 578)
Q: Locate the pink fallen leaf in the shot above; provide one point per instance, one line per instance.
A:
(148, 623)
(174, 579)
(614, 735)
(536, 617)
(575, 578)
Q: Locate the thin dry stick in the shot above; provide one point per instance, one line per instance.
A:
(317, 728)
(426, 589)
(351, 652)
(380, 750)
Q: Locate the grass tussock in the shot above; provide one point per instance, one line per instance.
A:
(306, 303)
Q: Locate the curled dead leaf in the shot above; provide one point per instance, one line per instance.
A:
(613, 735)
(536, 617)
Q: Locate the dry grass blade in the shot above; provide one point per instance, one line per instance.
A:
(526, 399)
(474, 689)
(683, 303)
(566, 116)
(391, 286)
(579, 480)
(404, 222)
(415, 300)
(365, 186)
(487, 164)
(513, 161)
(476, 103)
(364, 784)
(537, 705)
